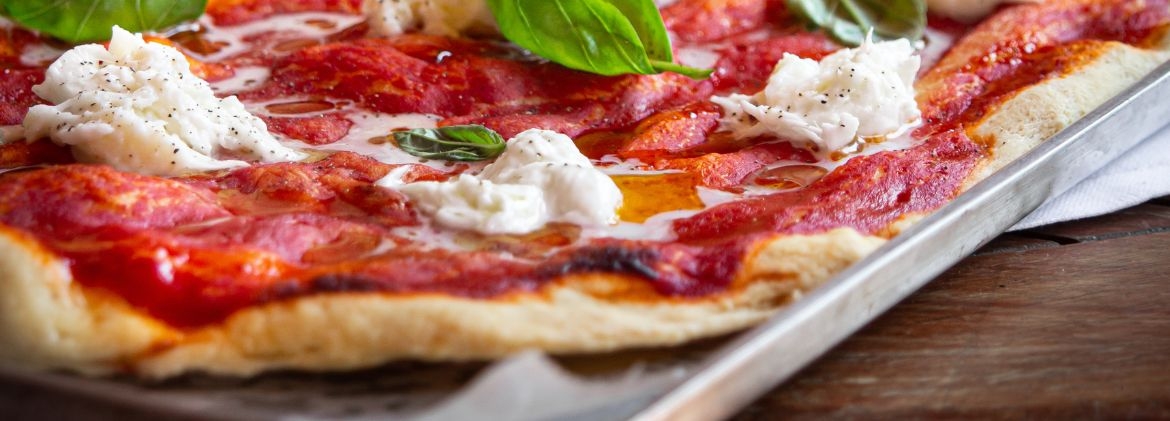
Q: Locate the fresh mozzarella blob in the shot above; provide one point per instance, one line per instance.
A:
(471, 203)
(541, 177)
(137, 107)
(850, 95)
(574, 190)
(388, 18)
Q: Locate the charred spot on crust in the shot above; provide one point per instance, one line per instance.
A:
(342, 283)
(283, 289)
(321, 284)
(615, 259)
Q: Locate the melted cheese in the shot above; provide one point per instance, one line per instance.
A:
(232, 40)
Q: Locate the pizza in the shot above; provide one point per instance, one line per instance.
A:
(335, 184)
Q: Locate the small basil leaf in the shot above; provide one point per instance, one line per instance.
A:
(454, 143)
(606, 37)
(848, 21)
(91, 20)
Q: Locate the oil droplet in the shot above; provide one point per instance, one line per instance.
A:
(644, 196)
(196, 42)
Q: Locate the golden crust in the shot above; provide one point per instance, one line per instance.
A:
(1036, 114)
(344, 331)
(46, 320)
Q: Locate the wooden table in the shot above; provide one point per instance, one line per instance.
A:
(1066, 321)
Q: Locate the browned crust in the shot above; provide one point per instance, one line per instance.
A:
(83, 330)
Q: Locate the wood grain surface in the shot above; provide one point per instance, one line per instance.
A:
(1068, 321)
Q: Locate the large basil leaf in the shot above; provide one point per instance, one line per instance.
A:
(848, 21)
(91, 20)
(607, 37)
(455, 143)
(647, 22)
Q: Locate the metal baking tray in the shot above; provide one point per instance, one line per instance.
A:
(707, 380)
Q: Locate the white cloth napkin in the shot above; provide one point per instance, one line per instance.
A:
(1139, 175)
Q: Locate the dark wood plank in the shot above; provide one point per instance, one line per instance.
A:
(22, 401)
(1080, 331)
(1141, 219)
(1014, 243)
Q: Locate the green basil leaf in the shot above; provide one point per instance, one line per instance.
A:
(607, 37)
(848, 21)
(91, 20)
(647, 22)
(454, 143)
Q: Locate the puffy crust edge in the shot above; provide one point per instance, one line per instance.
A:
(47, 321)
(1036, 114)
(58, 324)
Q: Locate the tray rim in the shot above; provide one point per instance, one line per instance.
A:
(717, 388)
